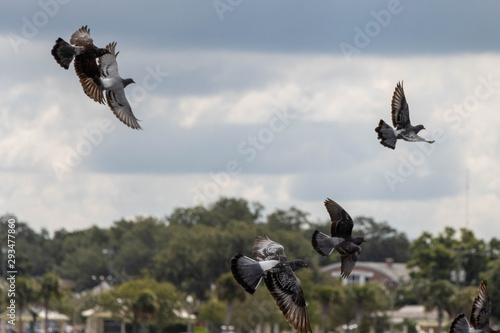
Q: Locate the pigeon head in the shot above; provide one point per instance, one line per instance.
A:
(297, 264)
(358, 240)
(100, 52)
(126, 82)
(418, 128)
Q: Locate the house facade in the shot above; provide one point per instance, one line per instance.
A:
(388, 273)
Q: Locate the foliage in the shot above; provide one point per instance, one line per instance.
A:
(50, 290)
(363, 300)
(383, 241)
(189, 252)
(142, 300)
(212, 312)
(27, 292)
(437, 257)
(493, 278)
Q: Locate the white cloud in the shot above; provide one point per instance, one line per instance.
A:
(330, 149)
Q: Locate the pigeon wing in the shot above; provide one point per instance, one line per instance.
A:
(341, 221)
(88, 72)
(287, 291)
(400, 111)
(266, 249)
(82, 37)
(481, 308)
(118, 103)
(115, 95)
(108, 66)
(412, 137)
(349, 253)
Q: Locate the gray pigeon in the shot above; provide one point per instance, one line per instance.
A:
(114, 85)
(401, 121)
(272, 264)
(81, 48)
(341, 240)
(479, 315)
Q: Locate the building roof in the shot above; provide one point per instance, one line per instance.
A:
(97, 312)
(395, 271)
(103, 286)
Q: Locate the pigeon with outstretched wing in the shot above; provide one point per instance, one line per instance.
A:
(272, 265)
(403, 129)
(341, 238)
(114, 85)
(479, 315)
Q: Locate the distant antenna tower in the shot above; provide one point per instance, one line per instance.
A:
(467, 197)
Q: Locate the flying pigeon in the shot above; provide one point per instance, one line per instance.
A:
(401, 121)
(81, 48)
(272, 264)
(479, 315)
(114, 85)
(341, 240)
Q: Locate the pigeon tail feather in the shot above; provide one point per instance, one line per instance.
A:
(460, 325)
(386, 135)
(324, 244)
(247, 272)
(63, 53)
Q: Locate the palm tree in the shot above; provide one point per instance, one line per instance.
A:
(49, 289)
(143, 309)
(228, 290)
(439, 294)
(367, 298)
(326, 295)
(26, 293)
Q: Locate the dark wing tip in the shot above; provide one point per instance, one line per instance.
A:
(290, 300)
(333, 208)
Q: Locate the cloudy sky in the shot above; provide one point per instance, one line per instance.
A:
(272, 101)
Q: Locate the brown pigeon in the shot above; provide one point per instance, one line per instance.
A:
(81, 48)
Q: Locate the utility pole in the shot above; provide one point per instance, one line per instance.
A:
(467, 197)
(109, 253)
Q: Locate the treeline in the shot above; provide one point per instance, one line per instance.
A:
(188, 253)
(189, 248)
